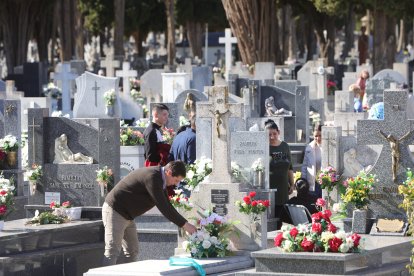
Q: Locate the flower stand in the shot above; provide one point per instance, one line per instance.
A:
(359, 221)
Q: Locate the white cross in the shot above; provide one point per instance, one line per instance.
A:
(66, 76)
(110, 64)
(125, 74)
(220, 110)
(228, 40)
(321, 80)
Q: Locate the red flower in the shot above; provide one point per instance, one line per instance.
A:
(52, 205)
(317, 227)
(278, 239)
(254, 203)
(316, 217)
(320, 202)
(307, 245)
(252, 194)
(334, 244)
(327, 213)
(266, 203)
(356, 238)
(332, 228)
(2, 155)
(3, 209)
(293, 232)
(3, 192)
(177, 199)
(246, 199)
(66, 204)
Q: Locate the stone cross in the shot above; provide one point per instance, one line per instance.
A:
(395, 123)
(228, 40)
(220, 110)
(110, 64)
(125, 74)
(33, 126)
(96, 88)
(66, 76)
(321, 73)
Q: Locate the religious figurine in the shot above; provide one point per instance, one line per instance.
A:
(190, 104)
(271, 109)
(395, 150)
(219, 122)
(63, 155)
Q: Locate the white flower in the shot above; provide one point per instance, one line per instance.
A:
(190, 174)
(36, 213)
(206, 244)
(206, 236)
(213, 240)
(349, 242)
(185, 244)
(341, 234)
(336, 207)
(326, 236)
(287, 244)
(193, 250)
(343, 248)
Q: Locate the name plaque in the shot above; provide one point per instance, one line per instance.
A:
(220, 196)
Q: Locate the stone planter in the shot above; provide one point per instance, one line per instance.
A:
(359, 221)
(132, 158)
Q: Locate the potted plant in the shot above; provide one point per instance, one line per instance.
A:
(66, 209)
(33, 176)
(109, 97)
(10, 145)
(328, 178)
(357, 192)
(258, 173)
(105, 179)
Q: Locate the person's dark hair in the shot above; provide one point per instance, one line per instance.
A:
(302, 187)
(177, 168)
(270, 124)
(318, 127)
(158, 107)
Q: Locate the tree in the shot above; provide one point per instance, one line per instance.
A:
(17, 19)
(119, 27)
(254, 25)
(169, 8)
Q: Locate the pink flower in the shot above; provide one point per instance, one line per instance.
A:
(316, 217)
(3, 209)
(3, 192)
(278, 239)
(320, 202)
(52, 205)
(66, 204)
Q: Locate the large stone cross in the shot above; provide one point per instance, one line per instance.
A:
(228, 40)
(394, 159)
(321, 73)
(125, 74)
(220, 110)
(110, 64)
(66, 76)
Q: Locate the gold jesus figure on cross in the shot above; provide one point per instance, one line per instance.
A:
(395, 150)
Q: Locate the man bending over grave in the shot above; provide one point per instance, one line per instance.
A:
(134, 195)
(271, 109)
(156, 151)
(63, 155)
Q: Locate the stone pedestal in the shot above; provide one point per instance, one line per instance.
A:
(359, 221)
(132, 158)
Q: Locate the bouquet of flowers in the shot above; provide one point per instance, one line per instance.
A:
(35, 173)
(134, 83)
(142, 123)
(109, 97)
(52, 91)
(197, 172)
(331, 87)
(319, 236)
(47, 218)
(212, 238)
(55, 205)
(252, 207)
(357, 189)
(105, 177)
(180, 201)
(328, 178)
(257, 165)
(130, 137)
(9, 143)
(168, 135)
(6, 197)
(136, 96)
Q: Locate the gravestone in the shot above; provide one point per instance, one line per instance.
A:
(265, 71)
(330, 140)
(348, 79)
(228, 40)
(151, 85)
(180, 100)
(173, 117)
(125, 74)
(344, 101)
(66, 77)
(109, 63)
(348, 121)
(130, 108)
(73, 182)
(384, 199)
(320, 74)
(2, 86)
(89, 100)
(30, 78)
(35, 102)
(173, 84)
(402, 68)
(10, 91)
(202, 76)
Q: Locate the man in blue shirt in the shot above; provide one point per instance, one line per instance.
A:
(184, 145)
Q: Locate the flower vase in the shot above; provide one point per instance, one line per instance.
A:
(359, 221)
(254, 226)
(102, 187)
(258, 177)
(32, 187)
(1, 225)
(11, 159)
(109, 110)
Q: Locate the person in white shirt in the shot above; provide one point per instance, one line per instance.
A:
(312, 163)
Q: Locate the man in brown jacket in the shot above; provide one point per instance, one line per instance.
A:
(134, 195)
